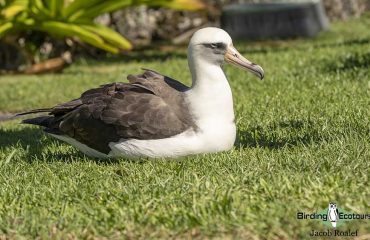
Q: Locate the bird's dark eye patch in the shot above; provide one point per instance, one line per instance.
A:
(219, 45)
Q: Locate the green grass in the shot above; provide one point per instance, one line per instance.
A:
(303, 141)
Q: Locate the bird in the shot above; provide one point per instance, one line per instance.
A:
(333, 214)
(153, 115)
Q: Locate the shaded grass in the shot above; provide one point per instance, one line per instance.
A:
(303, 141)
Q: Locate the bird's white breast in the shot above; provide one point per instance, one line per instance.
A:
(211, 107)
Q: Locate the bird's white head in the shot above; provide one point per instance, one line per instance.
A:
(215, 46)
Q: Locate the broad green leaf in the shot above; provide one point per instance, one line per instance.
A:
(5, 28)
(54, 6)
(109, 35)
(72, 30)
(78, 5)
(181, 4)
(39, 9)
(99, 9)
(12, 10)
(175, 4)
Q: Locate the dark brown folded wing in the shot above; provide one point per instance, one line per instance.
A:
(146, 108)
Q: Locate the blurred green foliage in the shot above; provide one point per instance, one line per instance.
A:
(75, 18)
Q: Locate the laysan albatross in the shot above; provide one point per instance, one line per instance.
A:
(154, 115)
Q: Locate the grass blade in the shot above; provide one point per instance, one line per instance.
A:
(9, 158)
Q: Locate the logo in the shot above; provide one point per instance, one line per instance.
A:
(333, 217)
(333, 214)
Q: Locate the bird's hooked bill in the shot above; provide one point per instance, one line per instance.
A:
(233, 57)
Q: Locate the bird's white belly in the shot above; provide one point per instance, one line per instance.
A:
(190, 142)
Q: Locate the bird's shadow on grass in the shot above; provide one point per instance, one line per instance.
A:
(25, 137)
(298, 132)
(35, 144)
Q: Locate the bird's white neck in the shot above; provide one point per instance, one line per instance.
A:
(210, 96)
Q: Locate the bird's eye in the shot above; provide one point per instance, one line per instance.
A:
(215, 45)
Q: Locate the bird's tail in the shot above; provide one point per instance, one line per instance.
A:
(40, 121)
(39, 110)
(50, 123)
(9, 117)
(334, 224)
